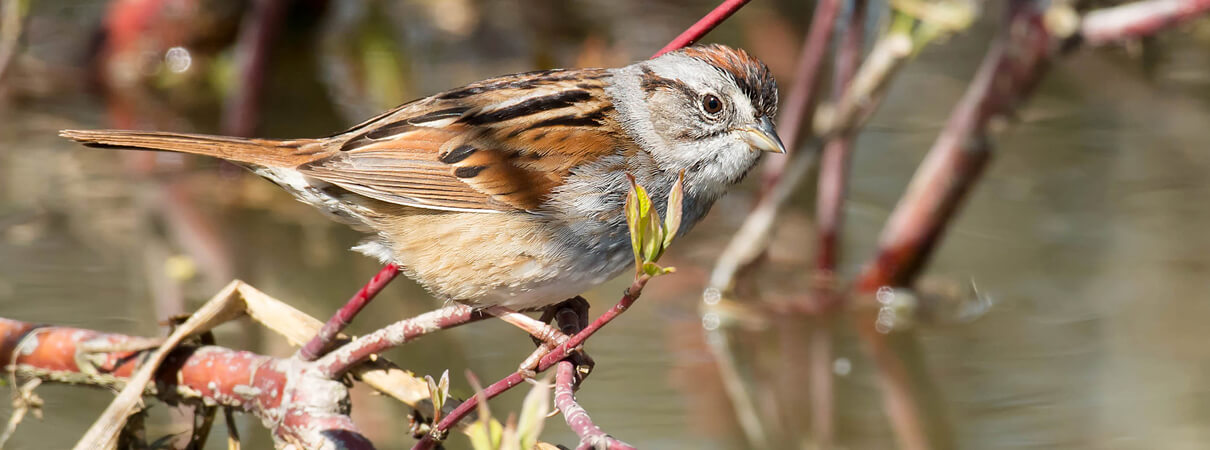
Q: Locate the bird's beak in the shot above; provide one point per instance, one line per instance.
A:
(763, 137)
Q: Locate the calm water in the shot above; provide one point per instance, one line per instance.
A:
(1087, 230)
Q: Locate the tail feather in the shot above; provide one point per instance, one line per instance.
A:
(260, 152)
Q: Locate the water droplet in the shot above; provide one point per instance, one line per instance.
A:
(711, 321)
(712, 296)
(178, 59)
(886, 320)
(885, 295)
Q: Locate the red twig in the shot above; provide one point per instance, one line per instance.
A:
(346, 356)
(591, 437)
(829, 208)
(1013, 65)
(319, 344)
(241, 114)
(799, 106)
(1138, 19)
(834, 161)
(302, 407)
(703, 25)
(556, 355)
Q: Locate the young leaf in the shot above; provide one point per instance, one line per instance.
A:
(653, 238)
(443, 390)
(533, 413)
(653, 269)
(632, 221)
(508, 439)
(676, 200)
(485, 434)
(436, 397)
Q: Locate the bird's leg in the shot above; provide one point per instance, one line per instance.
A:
(572, 316)
(547, 336)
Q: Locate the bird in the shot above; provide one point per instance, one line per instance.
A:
(510, 191)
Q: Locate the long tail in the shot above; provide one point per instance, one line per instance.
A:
(259, 152)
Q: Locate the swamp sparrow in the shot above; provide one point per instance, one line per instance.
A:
(510, 191)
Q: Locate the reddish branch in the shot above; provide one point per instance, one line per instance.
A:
(834, 160)
(829, 207)
(297, 403)
(1014, 64)
(318, 345)
(344, 358)
(241, 114)
(558, 354)
(591, 437)
(703, 25)
(799, 105)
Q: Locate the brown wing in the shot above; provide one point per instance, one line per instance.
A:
(497, 145)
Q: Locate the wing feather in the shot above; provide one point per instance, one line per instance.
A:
(497, 145)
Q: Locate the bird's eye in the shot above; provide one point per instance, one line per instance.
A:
(712, 104)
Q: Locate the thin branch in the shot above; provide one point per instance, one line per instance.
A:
(318, 345)
(1013, 65)
(833, 182)
(868, 87)
(837, 153)
(800, 103)
(703, 25)
(556, 355)
(241, 114)
(24, 401)
(591, 436)
(1138, 19)
(865, 94)
(346, 356)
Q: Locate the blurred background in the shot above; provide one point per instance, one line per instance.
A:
(1087, 231)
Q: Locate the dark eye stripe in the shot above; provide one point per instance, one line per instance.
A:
(650, 82)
